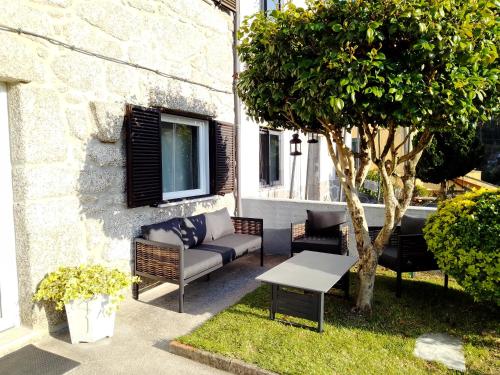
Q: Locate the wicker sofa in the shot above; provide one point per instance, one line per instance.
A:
(187, 258)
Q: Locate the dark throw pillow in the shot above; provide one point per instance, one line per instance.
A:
(323, 222)
(194, 230)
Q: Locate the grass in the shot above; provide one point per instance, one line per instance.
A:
(354, 344)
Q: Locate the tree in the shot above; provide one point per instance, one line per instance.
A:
(375, 66)
(450, 155)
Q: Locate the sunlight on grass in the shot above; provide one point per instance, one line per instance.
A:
(353, 344)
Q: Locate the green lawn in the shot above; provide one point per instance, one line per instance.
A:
(353, 344)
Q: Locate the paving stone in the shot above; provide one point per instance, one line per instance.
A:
(441, 348)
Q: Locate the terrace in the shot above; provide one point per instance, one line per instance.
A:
(225, 325)
(146, 150)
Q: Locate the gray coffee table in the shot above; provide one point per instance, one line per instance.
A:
(311, 274)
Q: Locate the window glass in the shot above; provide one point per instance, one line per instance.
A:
(274, 158)
(270, 160)
(264, 158)
(270, 5)
(184, 158)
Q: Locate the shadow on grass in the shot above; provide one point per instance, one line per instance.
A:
(424, 307)
(353, 343)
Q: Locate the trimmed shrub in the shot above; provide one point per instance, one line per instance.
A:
(464, 236)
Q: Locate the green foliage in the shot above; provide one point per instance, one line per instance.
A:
(450, 155)
(373, 175)
(404, 62)
(420, 191)
(83, 282)
(354, 344)
(464, 236)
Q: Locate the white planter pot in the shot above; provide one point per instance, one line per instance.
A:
(90, 320)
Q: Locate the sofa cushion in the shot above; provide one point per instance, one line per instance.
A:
(232, 246)
(165, 236)
(317, 243)
(197, 261)
(166, 231)
(412, 225)
(193, 230)
(323, 222)
(219, 224)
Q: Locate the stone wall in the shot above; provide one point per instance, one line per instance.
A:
(66, 114)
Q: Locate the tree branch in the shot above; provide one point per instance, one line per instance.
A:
(364, 158)
(423, 142)
(390, 141)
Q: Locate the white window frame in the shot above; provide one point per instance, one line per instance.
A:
(203, 153)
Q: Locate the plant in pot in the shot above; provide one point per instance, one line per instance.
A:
(90, 295)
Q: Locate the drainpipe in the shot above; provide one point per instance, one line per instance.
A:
(237, 108)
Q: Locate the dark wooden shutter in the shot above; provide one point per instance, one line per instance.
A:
(228, 4)
(144, 180)
(222, 157)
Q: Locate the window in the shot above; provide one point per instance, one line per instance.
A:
(173, 154)
(270, 157)
(355, 148)
(270, 5)
(185, 158)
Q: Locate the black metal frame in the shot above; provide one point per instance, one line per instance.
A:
(307, 305)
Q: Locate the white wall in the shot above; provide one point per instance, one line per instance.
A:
(278, 214)
(249, 149)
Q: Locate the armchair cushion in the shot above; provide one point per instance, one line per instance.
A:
(219, 224)
(317, 243)
(389, 258)
(323, 222)
(412, 225)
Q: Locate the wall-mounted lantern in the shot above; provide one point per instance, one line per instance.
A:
(295, 145)
(312, 137)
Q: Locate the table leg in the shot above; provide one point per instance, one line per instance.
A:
(321, 311)
(274, 300)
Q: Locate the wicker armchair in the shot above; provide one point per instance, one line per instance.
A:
(336, 243)
(406, 253)
(166, 263)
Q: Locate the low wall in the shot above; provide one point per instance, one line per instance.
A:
(278, 214)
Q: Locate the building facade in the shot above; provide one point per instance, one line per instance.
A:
(269, 169)
(68, 70)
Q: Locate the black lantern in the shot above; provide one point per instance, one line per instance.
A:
(312, 137)
(295, 145)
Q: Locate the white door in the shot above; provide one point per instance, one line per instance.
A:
(9, 309)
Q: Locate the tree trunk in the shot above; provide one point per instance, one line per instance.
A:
(343, 161)
(366, 281)
(442, 190)
(368, 256)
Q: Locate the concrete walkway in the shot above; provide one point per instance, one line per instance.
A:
(144, 328)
